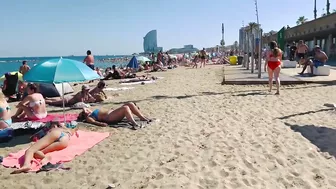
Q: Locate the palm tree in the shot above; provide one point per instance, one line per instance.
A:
(301, 20)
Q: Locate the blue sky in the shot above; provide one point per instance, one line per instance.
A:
(70, 27)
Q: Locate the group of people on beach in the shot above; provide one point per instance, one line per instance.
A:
(33, 107)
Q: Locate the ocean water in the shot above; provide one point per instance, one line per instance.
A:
(13, 63)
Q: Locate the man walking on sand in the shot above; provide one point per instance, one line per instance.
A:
(24, 68)
(89, 60)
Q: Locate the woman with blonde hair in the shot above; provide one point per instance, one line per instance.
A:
(5, 112)
(273, 64)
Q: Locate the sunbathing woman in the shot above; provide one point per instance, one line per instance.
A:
(32, 106)
(5, 112)
(98, 92)
(103, 117)
(55, 140)
(139, 79)
(82, 96)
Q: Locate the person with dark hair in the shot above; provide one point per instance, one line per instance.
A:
(203, 56)
(98, 92)
(273, 64)
(115, 73)
(319, 59)
(89, 60)
(24, 68)
(32, 106)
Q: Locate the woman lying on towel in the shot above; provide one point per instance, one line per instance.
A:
(81, 96)
(103, 117)
(139, 79)
(32, 106)
(56, 139)
(5, 112)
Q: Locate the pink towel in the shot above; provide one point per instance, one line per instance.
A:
(77, 146)
(56, 117)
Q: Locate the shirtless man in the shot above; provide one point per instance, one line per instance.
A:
(24, 68)
(301, 51)
(89, 59)
(320, 58)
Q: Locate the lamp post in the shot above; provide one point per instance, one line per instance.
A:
(328, 7)
(315, 11)
(259, 42)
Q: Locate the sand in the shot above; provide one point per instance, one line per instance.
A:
(207, 136)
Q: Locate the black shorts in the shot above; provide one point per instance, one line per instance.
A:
(301, 55)
(91, 66)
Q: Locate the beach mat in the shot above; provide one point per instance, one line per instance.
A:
(77, 146)
(56, 117)
(125, 124)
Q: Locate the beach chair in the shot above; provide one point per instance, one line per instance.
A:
(12, 81)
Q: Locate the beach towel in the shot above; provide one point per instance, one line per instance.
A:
(125, 124)
(26, 125)
(118, 89)
(77, 146)
(139, 82)
(80, 105)
(56, 117)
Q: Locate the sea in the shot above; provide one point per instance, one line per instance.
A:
(13, 63)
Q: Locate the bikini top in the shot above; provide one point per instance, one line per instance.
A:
(35, 103)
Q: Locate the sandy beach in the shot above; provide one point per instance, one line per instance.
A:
(206, 135)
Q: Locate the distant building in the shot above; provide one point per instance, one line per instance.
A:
(150, 43)
(242, 36)
(185, 49)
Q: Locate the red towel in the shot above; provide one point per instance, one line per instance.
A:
(77, 146)
(55, 117)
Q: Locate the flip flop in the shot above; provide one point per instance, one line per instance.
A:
(49, 166)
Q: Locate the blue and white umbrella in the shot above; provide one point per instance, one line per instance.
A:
(60, 70)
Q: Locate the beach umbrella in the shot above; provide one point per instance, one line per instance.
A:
(143, 59)
(60, 70)
(173, 56)
(133, 63)
(2, 78)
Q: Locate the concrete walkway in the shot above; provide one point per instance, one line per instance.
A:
(238, 75)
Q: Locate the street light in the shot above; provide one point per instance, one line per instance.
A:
(260, 35)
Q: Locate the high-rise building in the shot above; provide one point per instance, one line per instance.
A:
(150, 43)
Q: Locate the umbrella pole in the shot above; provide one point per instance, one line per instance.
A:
(63, 102)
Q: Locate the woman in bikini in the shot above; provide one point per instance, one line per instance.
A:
(56, 139)
(32, 106)
(101, 117)
(5, 112)
(81, 96)
(273, 59)
(98, 92)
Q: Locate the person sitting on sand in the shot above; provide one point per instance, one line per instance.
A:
(98, 92)
(5, 112)
(56, 139)
(114, 74)
(99, 72)
(101, 117)
(81, 96)
(33, 106)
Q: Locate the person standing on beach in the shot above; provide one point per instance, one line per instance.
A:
(89, 60)
(24, 68)
(159, 57)
(203, 56)
(301, 52)
(273, 59)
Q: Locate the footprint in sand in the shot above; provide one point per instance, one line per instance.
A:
(159, 176)
(224, 174)
(246, 182)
